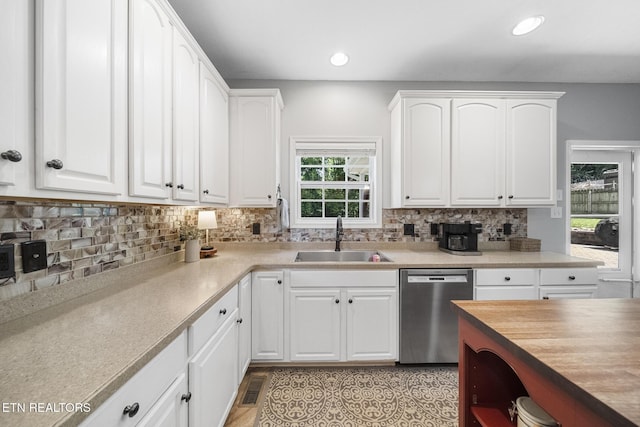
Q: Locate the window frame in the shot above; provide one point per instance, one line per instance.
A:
(338, 146)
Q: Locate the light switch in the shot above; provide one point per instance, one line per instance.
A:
(556, 212)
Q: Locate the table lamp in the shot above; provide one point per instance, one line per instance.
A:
(206, 221)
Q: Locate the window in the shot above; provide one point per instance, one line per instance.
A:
(334, 177)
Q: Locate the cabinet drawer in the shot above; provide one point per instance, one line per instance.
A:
(568, 276)
(207, 325)
(485, 293)
(571, 292)
(341, 278)
(506, 276)
(144, 388)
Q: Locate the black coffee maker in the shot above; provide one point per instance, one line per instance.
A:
(459, 239)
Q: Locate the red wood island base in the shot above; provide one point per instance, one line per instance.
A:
(577, 359)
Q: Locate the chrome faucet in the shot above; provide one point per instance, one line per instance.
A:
(339, 233)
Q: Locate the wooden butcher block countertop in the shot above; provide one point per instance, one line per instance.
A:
(590, 348)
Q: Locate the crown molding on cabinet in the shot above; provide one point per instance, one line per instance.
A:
(492, 94)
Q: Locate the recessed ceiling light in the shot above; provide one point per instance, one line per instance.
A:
(527, 25)
(339, 59)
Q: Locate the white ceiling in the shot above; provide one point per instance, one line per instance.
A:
(593, 41)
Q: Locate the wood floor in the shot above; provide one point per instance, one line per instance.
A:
(244, 415)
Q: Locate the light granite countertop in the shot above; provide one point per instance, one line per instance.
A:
(86, 346)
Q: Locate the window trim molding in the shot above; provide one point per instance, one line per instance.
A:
(339, 143)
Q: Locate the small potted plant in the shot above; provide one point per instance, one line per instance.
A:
(190, 234)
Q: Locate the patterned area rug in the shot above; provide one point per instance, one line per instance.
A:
(376, 397)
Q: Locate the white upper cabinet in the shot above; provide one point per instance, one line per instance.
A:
(255, 146)
(81, 95)
(503, 152)
(16, 95)
(150, 137)
(186, 119)
(420, 139)
(473, 148)
(477, 152)
(531, 152)
(214, 139)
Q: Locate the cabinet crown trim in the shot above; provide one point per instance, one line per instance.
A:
(401, 94)
(259, 92)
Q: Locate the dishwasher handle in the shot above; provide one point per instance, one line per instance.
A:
(438, 279)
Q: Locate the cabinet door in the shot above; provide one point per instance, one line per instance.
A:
(372, 324)
(477, 152)
(244, 330)
(531, 152)
(16, 94)
(426, 139)
(186, 116)
(315, 331)
(214, 140)
(171, 410)
(150, 117)
(213, 376)
(484, 293)
(267, 325)
(81, 95)
(255, 154)
(561, 292)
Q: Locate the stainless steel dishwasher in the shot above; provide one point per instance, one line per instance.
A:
(428, 325)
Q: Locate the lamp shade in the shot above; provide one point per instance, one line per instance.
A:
(207, 220)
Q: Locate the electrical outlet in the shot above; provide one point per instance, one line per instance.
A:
(507, 229)
(556, 212)
(409, 230)
(7, 261)
(34, 255)
(256, 228)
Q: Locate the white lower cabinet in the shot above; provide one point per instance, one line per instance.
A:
(267, 325)
(372, 324)
(244, 326)
(506, 284)
(558, 292)
(534, 283)
(151, 394)
(556, 283)
(354, 318)
(315, 324)
(213, 377)
(171, 410)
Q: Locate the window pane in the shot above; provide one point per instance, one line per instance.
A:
(311, 209)
(333, 209)
(354, 194)
(353, 210)
(334, 161)
(594, 212)
(311, 160)
(311, 174)
(358, 210)
(311, 193)
(334, 174)
(334, 194)
(358, 168)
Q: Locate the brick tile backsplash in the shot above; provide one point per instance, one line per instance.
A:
(84, 239)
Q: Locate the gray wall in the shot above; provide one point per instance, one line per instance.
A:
(332, 108)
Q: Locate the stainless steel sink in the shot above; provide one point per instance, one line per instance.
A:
(342, 256)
